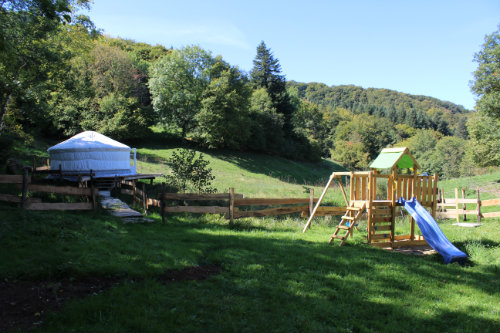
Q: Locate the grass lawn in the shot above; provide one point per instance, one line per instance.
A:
(273, 277)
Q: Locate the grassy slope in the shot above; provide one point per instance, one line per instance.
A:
(275, 278)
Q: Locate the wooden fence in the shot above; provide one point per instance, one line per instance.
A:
(230, 203)
(456, 207)
(32, 203)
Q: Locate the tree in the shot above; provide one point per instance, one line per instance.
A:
(27, 54)
(223, 121)
(487, 76)
(484, 143)
(266, 73)
(177, 83)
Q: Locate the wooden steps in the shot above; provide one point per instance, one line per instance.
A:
(352, 214)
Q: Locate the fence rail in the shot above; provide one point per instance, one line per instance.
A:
(24, 182)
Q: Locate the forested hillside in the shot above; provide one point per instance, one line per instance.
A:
(60, 75)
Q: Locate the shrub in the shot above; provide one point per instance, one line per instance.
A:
(190, 172)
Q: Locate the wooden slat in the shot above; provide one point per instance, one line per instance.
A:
(363, 188)
(381, 236)
(492, 214)
(59, 206)
(409, 243)
(423, 191)
(382, 244)
(270, 201)
(381, 219)
(461, 211)
(12, 179)
(271, 211)
(200, 196)
(69, 190)
(196, 209)
(490, 202)
(382, 228)
(326, 211)
(10, 198)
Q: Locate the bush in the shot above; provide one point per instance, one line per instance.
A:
(190, 172)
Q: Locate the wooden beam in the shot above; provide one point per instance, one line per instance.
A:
(308, 223)
(69, 190)
(270, 201)
(271, 211)
(59, 206)
(196, 209)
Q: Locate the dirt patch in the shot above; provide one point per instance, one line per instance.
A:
(24, 303)
(190, 273)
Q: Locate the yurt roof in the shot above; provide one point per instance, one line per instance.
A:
(89, 141)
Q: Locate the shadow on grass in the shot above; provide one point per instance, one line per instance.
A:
(273, 280)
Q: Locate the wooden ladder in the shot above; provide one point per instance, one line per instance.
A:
(352, 214)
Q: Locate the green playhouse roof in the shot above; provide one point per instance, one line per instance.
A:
(389, 157)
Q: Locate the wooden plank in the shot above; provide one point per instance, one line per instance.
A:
(59, 206)
(357, 191)
(69, 190)
(196, 209)
(381, 219)
(271, 211)
(308, 223)
(381, 228)
(489, 202)
(10, 198)
(231, 205)
(200, 196)
(405, 188)
(382, 244)
(363, 188)
(492, 214)
(461, 211)
(423, 191)
(326, 211)
(270, 201)
(381, 236)
(12, 179)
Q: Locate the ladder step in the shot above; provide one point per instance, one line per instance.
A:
(338, 237)
(348, 218)
(354, 208)
(343, 227)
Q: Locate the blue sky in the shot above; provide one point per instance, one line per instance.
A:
(417, 47)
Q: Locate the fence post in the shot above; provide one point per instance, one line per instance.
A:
(464, 207)
(92, 189)
(478, 207)
(162, 203)
(25, 187)
(231, 205)
(311, 201)
(144, 198)
(456, 205)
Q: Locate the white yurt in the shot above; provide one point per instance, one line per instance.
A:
(93, 151)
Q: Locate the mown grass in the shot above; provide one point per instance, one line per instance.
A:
(274, 277)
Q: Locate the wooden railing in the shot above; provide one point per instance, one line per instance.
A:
(456, 207)
(230, 203)
(32, 203)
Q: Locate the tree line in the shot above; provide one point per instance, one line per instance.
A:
(60, 75)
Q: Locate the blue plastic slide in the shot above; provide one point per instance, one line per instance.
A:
(431, 231)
